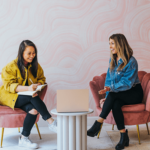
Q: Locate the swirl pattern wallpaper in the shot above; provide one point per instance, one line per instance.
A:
(72, 37)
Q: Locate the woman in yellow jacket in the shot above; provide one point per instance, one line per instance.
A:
(17, 76)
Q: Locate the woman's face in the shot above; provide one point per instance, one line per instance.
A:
(112, 46)
(29, 54)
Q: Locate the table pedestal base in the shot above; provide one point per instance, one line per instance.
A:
(72, 132)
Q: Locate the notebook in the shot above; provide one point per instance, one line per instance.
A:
(73, 100)
(31, 93)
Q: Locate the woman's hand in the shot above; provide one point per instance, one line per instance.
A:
(102, 101)
(36, 94)
(39, 83)
(32, 87)
(106, 88)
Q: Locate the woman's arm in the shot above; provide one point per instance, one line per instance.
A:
(108, 79)
(21, 88)
(107, 82)
(9, 78)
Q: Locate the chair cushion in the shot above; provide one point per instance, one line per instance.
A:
(133, 108)
(7, 110)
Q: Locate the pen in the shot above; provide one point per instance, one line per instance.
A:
(31, 80)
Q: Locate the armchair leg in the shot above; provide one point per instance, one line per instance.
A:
(138, 133)
(147, 128)
(2, 137)
(19, 130)
(99, 131)
(38, 130)
(113, 127)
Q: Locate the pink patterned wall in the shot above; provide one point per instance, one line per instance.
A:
(72, 37)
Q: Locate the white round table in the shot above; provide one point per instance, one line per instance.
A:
(71, 130)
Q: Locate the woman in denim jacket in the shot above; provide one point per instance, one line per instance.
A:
(122, 87)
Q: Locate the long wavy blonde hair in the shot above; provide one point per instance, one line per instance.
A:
(123, 50)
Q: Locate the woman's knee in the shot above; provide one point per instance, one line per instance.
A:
(33, 112)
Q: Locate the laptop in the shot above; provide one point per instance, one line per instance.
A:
(76, 100)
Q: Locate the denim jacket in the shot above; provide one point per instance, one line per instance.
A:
(124, 79)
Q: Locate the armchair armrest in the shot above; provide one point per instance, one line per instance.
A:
(42, 93)
(148, 97)
(96, 85)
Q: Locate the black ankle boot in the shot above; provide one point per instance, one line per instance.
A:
(124, 141)
(95, 129)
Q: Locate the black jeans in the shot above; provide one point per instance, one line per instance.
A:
(28, 103)
(115, 101)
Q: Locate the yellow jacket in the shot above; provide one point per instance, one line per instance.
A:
(11, 78)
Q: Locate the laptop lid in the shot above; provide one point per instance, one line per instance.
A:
(76, 100)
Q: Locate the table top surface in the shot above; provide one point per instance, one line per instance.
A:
(54, 111)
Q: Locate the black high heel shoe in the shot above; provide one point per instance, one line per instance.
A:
(95, 129)
(124, 141)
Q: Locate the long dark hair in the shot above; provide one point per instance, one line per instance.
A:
(123, 48)
(20, 62)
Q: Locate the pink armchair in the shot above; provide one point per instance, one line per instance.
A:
(133, 114)
(14, 118)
